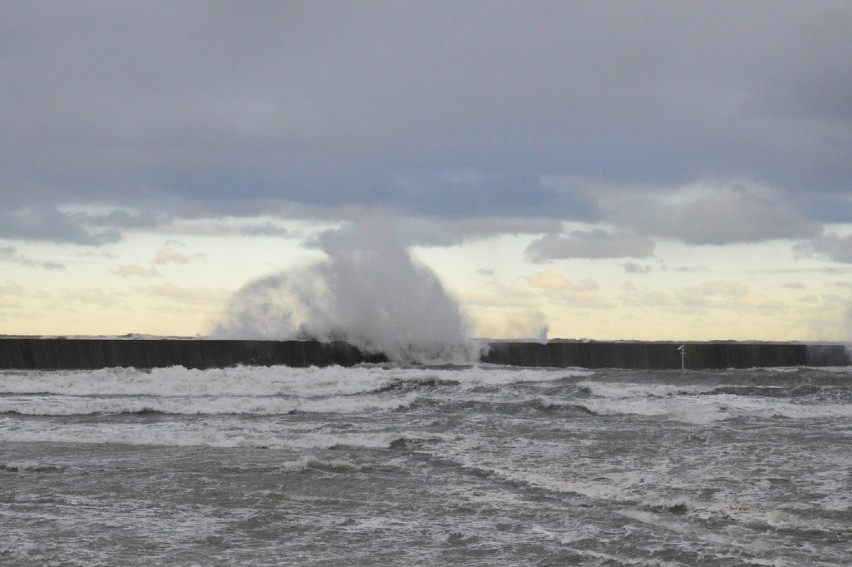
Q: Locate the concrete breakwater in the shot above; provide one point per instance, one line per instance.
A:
(81, 354)
(27, 353)
(666, 355)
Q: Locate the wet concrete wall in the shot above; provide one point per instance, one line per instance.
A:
(665, 355)
(50, 354)
(59, 353)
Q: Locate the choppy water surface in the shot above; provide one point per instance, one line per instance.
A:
(420, 466)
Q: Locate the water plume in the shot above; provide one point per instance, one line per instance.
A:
(369, 292)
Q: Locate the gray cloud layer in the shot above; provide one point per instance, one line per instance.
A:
(594, 244)
(203, 109)
(727, 215)
(11, 255)
(47, 223)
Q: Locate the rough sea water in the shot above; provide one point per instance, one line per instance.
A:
(395, 465)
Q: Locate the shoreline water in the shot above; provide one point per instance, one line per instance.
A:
(420, 465)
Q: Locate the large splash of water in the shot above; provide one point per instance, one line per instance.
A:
(369, 292)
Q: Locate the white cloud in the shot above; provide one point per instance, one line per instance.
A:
(727, 295)
(135, 270)
(556, 287)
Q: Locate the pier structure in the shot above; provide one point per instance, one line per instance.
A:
(36, 353)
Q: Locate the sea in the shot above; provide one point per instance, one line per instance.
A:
(426, 465)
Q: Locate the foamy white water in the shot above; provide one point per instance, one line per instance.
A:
(419, 465)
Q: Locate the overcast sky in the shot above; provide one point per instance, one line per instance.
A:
(604, 169)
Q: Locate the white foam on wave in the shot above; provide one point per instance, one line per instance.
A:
(79, 405)
(697, 404)
(723, 542)
(503, 375)
(511, 463)
(688, 409)
(181, 391)
(29, 466)
(810, 411)
(203, 434)
(749, 510)
(621, 390)
(258, 380)
(576, 532)
(243, 390)
(180, 381)
(662, 521)
(173, 525)
(652, 495)
(311, 462)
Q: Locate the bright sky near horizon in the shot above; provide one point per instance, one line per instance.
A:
(605, 170)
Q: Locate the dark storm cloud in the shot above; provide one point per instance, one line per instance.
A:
(830, 208)
(516, 195)
(593, 244)
(122, 219)
(433, 231)
(720, 216)
(47, 223)
(837, 248)
(447, 232)
(190, 106)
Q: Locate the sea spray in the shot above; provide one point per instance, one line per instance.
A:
(369, 292)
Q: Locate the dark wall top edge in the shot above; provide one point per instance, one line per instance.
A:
(86, 354)
(82, 354)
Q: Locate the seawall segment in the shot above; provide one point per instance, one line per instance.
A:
(86, 354)
(665, 355)
(27, 353)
